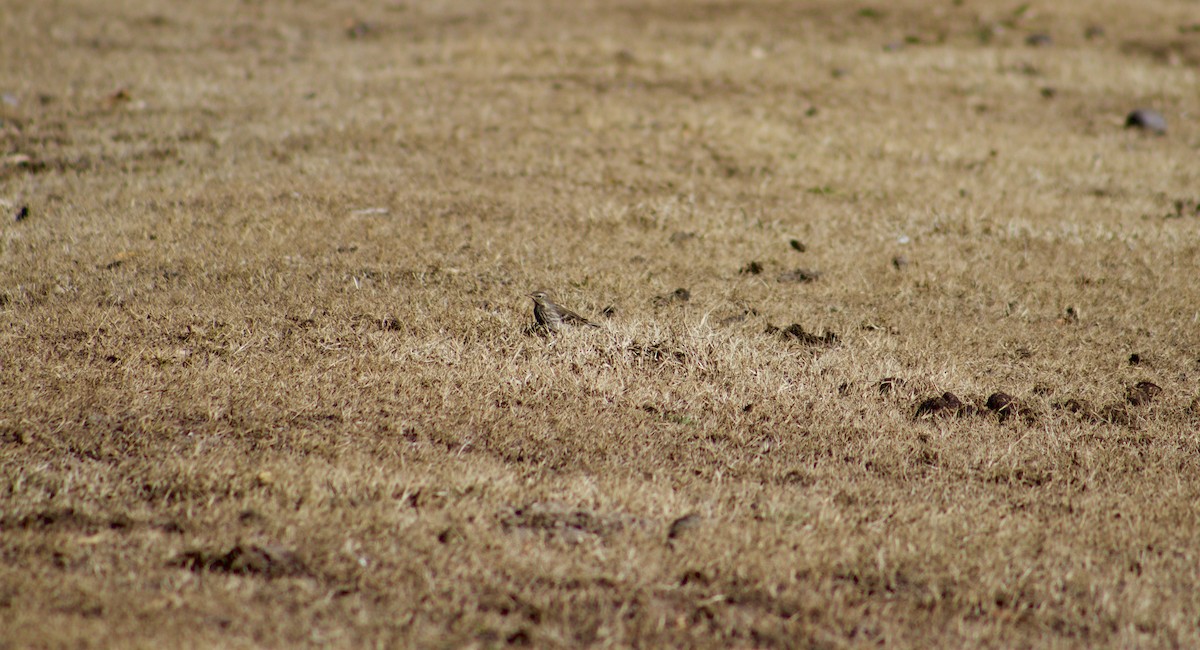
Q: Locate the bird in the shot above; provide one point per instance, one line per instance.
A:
(552, 316)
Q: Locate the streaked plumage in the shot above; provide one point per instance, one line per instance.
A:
(553, 316)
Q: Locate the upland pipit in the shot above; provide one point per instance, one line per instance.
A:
(553, 316)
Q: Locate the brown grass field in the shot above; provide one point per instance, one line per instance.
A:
(267, 377)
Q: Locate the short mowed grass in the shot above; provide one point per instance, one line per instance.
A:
(267, 375)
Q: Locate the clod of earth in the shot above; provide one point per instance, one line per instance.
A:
(1185, 208)
(1003, 404)
(1142, 393)
(945, 406)
(684, 524)
(565, 522)
(358, 29)
(795, 332)
(694, 577)
(1076, 406)
(799, 275)
(269, 560)
(738, 317)
(65, 518)
(657, 351)
(9, 434)
(116, 98)
(753, 268)
(889, 384)
(678, 295)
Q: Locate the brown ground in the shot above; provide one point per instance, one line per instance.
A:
(265, 378)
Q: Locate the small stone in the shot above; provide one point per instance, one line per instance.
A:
(1039, 40)
(1148, 120)
(798, 245)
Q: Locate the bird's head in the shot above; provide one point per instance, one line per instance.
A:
(540, 297)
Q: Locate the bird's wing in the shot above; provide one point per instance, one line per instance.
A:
(569, 316)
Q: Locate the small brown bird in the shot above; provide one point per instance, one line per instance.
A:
(552, 316)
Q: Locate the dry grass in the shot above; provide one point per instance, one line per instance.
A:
(267, 380)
